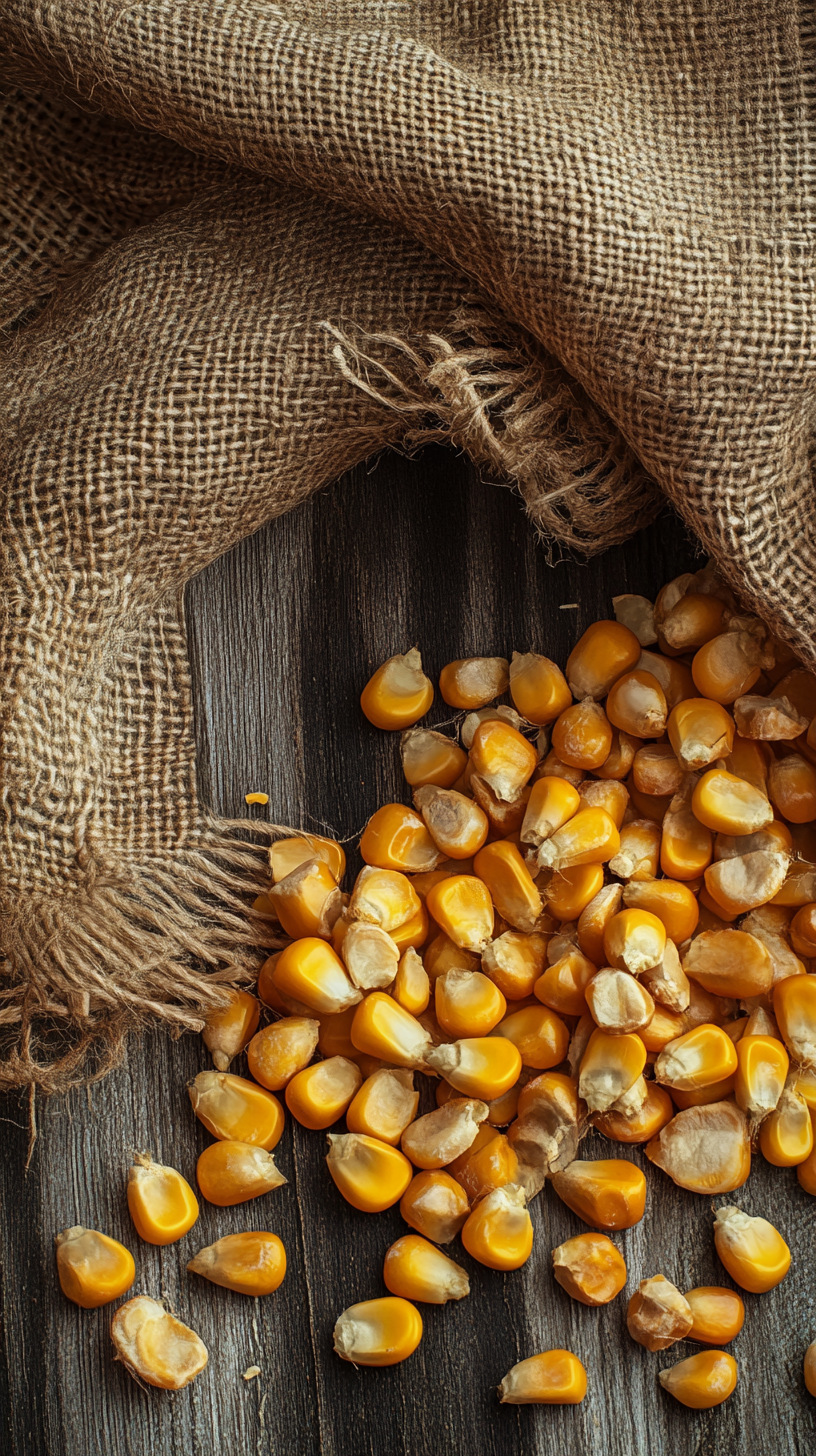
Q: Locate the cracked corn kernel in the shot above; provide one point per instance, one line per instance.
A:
(371, 1175)
(233, 1107)
(701, 1381)
(606, 1193)
(658, 1315)
(228, 1028)
(318, 1095)
(370, 956)
(232, 1172)
(308, 901)
(162, 1204)
(499, 1231)
(286, 855)
(248, 1263)
(156, 1347)
(555, 1377)
(435, 1205)
(281, 1049)
(399, 693)
(378, 1332)
(590, 1268)
(415, 1269)
(93, 1269)
(547, 1130)
(718, 1314)
(590, 837)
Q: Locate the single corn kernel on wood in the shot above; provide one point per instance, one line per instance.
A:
(637, 705)
(248, 1263)
(381, 1028)
(411, 988)
(378, 1332)
(634, 940)
(162, 1204)
(608, 1068)
(762, 1070)
(718, 1314)
(371, 1175)
(641, 1125)
(308, 901)
(582, 735)
(435, 1205)
(321, 1093)
(233, 1107)
(702, 1381)
(414, 1269)
(786, 1134)
(499, 1231)
(603, 654)
(607, 1193)
(700, 732)
(383, 897)
(93, 1269)
(658, 1315)
(541, 1037)
(395, 838)
(514, 962)
(729, 963)
(590, 1268)
(385, 1105)
(311, 972)
(231, 1172)
(483, 1067)
(463, 909)
(467, 1003)
(436, 1139)
(431, 758)
(285, 855)
(549, 1125)
(555, 1377)
(503, 757)
(370, 956)
(794, 1004)
(538, 687)
(589, 838)
(705, 1149)
(472, 682)
(228, 1029)
(399, 693)
(697, 1059)
(510, 884)
(280, 1050)
(751, 1249)
(154, 1346)
(639, 855)
(617, 1002)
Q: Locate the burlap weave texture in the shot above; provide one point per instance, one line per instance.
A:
(246, 245)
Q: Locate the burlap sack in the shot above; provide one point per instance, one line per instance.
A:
(247, 245)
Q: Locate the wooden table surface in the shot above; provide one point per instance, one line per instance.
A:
(284, 631)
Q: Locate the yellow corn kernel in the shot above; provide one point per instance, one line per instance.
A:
(751, 1249)
(670, 900)
(569, 892)
(589, 838)
(639, 854)
(500, 713)
(235, 1108)
(618, 1003)
(642, 1125)
(727, 666)
(318, 1095)
(483, 1169)
(383, 897)
(696, 1059)
(657, 1315)
(414, 1269)
(700, 732)
(503, 757)
(285, 855)
(608, 1193)
(93, 1269)
(384, 1105)
(702, 1381)
(548, 1128)
(541, 1037)
(156, 1347)
(162, 1204)
(761, 1074)
(786, 1134)
(582, 735)
(729, 963)
(231, 1172)
(668, 982)
(463, 909)
(435, 1205)
(605, 652)
(399, 693)
(730, 805)
(308, 901)
(792, 788)
(594, 919)
(467, 1003)
(555, 1377)
(804, 1082)
(718, 1314)
(609, 1067)
(499, 1231)
(665, 1026)
(472, 682)
(395, 838)
(634, 940)
(563, 985)
(248, 1263)
(412, 988)
(505, 819)
(256, 798)
(413, 932)
(262, 905)
(794, 1004)
(440, 1137)
(538, 688)
(686, 846)
(705, 1149)
(381, 1028)
(228, 1028)
(334, 1039)
(502, 1110)
(378, 1332)
(431, 758)
(371, 1175)
(280, 1050)
(590, 1268)
(514, 962)
(510, 884)
(311, 972)
(693, 621)
(483, 1066)
(270, 995)
(636, 705)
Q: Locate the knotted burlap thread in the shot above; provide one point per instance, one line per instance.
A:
(248, 245)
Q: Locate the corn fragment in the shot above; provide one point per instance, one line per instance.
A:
(658, 1315)
(156, 1347)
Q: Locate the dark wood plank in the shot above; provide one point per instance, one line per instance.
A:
(284, 631)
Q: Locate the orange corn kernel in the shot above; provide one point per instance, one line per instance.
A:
(569, 892)
(382, 1029)
(499, 713)
(590, 1268)
(510, 883)
(772, 719)
(383, 897)
(729, 963)
(395, 838)
(503, 757)
(786, 1134)
(162, 1204)
(696, 1059)
(619, 760)
(502, 1110)
(609, 1067)
(249, 1263)
(463, 909)
(481, 1170)
(618, 1003)
(761, 1074)
(414, 1269)
(727, 666)
(605, 652)
(589, 838)
(431, 758)
(484, 1066)
(399, 692)
(320, 1094)
(634, 940)
(705, 1149)
(505, 819)
(700, 731)
(435, 1205)
(541, 1037)
(378, 1332)
(231, 1172)
(551, 766)
(413, 932)
(457, 826)
(670, 900)
(657, 770)
(471, 682)
(653, 1114)
(794, 1004)
(608, 1193)
(555, 1377)
(582, 735)
(308, 901)
(792, 788)
(798, 887)
(371, 1175)
(594, 919)
(514, 962)
(286, 855)
(749, 760)
(237, 1109)
(718, 1314)
(499, 1231)
(442, 955)
(538, 688)
(702, 1381)
(639, 855)
(467, 1003)
(686, 845)
(693, 621)
(637, 705)
(751, 1249)
(729, 805)
(228, 1028)
(93, 1269)
(154, 1347)
(277, 1052)
(657, 1315)
(412, 988)
(384, 1106)
(563, 985)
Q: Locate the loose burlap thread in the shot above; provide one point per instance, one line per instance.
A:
(247, 245)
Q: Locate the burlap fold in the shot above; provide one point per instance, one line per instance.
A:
(247, 245)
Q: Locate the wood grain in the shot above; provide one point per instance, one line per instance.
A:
(284, 631)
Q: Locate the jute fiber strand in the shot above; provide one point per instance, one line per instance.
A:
(247, 245)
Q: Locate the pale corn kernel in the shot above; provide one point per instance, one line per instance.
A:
(503, 757)
(436, 1139)
(609, 1066)
(285, 855)
(776, 836)
(589, 838)
(639, 854)
(747, 881)
(457, 826)
(667, 982)
(729, 963)
(383, 897)
(467, 1003)
(414, 1269)
(431, 758)
(398, 693)
(320, 1094)
(499, 1231)
(501, 713)
(794, 1004)
(308, 901)
(384, 1106)
(636, 613)
(412, 988)
(563, 985)
(656, 769)
(233, 1107)
(590, 1268)
(606, 1193)
(674, 677)
(786, 1134)
(700, 731)
(636, 705)
(370, 1174)
(697, 1059)
(582, 735)
(761, 1074)
(658, 1315)
(718, 1314)
(435, 1205)
(378, 1332)
(603, 654)
(154, 1346)
(162, 1204)
(705, 1007)
(705, 1149)
(617, 1002)
(311, 972)
(548, 1128)
(760, 1022)
(381, 1028)
(93, 1269)
(247, 1263)
(555, 1377)
(770, 924)
(514, 962)
(463, 909)
(702, 1381)
(395, 838)
(231, 1172)
(551, 766)
(751, 1249)
(483, 1067)
(472, 682)
(538, 687)
(280, 1050)
(593, 921)
(773, 719)
(228, 1028)
(634, 940)
(510, 884)
(370, 956)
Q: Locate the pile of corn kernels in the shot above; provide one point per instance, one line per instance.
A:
(600, 911)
